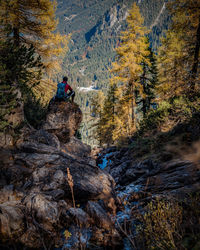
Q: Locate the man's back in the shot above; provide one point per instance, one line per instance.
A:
(60, 90)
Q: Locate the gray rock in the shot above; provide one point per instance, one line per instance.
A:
(81, 216)
(38, 168)
(40, 174)
(33, 147)
(43, 137)
(11, 219)
(43, 209)
(59, 176)
(36, 160)
(98, 214)
(77, 148)
(56, 194)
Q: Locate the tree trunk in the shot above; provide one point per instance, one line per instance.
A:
(16, 36)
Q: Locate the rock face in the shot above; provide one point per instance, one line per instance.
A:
(170, 176)
(63, 120)
(36, 188)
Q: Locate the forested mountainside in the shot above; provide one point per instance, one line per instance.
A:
(96, 27)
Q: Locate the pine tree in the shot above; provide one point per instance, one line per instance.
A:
(108, 121)
(15, 63)
(149, 80)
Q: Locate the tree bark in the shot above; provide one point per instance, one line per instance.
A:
(16, 36)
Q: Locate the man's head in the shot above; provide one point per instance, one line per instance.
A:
(65, 79)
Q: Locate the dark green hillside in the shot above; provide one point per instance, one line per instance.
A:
(95, 27)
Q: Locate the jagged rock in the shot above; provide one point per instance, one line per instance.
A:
(98, 214)
(42, 208)
(43, 137)
(36, 160)
(77, 148)
(6, 140)
(63, 120)
(44, 184)
(33, 147)
(79, 215)
(11, 220)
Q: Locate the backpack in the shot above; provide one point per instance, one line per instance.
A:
(60, 90)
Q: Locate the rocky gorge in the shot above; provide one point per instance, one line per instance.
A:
(55, 194)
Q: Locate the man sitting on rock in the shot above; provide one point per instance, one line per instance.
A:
(62, 89)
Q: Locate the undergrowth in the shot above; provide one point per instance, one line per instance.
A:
(166, 224)
(177, 124)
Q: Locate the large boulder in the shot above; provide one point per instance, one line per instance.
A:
(63, 120)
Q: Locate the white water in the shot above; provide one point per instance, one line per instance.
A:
(124, 195)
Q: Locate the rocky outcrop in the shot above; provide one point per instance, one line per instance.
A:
(39, 179)
(63, 120)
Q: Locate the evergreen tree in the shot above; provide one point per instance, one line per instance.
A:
(124, 127)
(149, 80)
(190, 12)
(21, 64)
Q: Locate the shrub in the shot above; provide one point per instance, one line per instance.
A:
(160, 225)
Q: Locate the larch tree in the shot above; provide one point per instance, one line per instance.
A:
(108, 121)
(178, 60)
(132, 54)
(190, 9)
(124, 126)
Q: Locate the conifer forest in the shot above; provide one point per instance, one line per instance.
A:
(118, 167)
